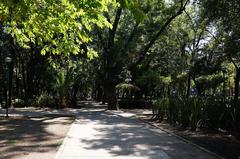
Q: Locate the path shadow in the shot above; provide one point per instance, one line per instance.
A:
(121, 136)
(24, 135)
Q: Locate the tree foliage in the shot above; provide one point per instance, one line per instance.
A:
(60, 27)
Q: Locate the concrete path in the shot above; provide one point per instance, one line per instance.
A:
(98, 134)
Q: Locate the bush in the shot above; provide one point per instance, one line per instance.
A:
(197, 113)
(160, 108)
(44, 100)
(215, 109)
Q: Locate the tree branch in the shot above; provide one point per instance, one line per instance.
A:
(219, 42)
(130, 38)
(160, 32)
(234, 63)
(190, 18)
(112, 32)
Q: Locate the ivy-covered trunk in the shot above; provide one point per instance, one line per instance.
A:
(236, 88)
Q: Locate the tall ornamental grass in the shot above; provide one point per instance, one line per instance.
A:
(198, 112)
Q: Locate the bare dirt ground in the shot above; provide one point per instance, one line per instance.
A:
(223, 144)
(32, 137)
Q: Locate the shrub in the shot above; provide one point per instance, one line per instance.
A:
(160, 108)
(215, 108)
(44, 100)
(172, 107)
(197, 110)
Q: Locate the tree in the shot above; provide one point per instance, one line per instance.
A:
(124, 38)
(61, 25)
(224, 17)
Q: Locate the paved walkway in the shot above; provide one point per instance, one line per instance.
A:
(98, 134)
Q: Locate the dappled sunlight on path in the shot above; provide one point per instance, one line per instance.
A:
(98, 133)
(28, 138)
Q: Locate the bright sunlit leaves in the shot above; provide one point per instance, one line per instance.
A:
(59, 26)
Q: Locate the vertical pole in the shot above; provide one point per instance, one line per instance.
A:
(8, 61)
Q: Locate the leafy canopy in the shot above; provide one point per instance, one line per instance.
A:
(60, 26)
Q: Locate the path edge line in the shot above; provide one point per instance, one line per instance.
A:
(61, 148)
(170, 133)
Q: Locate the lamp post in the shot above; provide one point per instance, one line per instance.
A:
(8, 61)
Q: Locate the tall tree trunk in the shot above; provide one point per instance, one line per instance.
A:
(74, 95)
(236, 83)
(111, 97)
(109, 87)
(99, 93)
(24, 81)
(104, 97)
